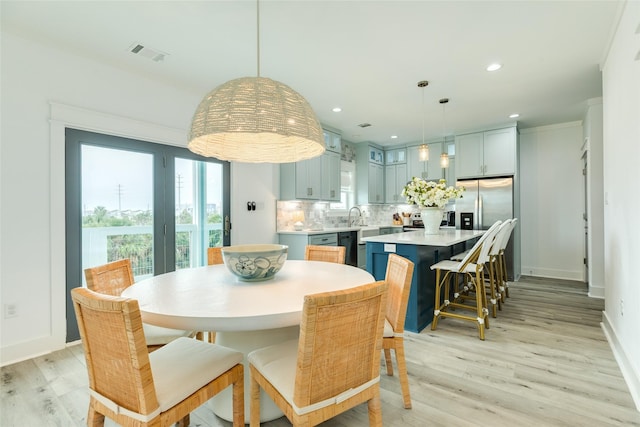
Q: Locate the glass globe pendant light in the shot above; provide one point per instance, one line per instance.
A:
(423, 150)
(444, 157)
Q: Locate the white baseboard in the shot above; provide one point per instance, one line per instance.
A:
(596, 292)
(631, 377)
(28, 350)
(552, 273)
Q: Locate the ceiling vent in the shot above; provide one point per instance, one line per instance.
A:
(147, 52)
(364, 125)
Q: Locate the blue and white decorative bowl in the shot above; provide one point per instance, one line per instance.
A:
(253, 263)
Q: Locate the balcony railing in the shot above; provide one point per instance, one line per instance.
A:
(101, 245)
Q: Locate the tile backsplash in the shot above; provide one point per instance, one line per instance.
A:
(318, 216)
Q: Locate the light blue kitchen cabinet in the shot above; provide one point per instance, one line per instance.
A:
(395, 156)
(429, 169)
(332, 141)
(369, 174)
(395, 176)
(330, 186)
(488, 153)
(313, 179)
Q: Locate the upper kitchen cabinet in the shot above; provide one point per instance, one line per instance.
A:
(489, 153)
(428, 169)
(395, 176)
(332, 141)
(313, 179)
(394, 156)
(369, 174)
(330, 176)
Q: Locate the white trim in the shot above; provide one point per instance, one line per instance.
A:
(551, 127)
(631, 377)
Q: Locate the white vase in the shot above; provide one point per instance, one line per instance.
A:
(431, 218)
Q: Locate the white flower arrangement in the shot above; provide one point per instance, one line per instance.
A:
(429, 194)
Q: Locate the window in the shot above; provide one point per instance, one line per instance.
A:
(347, 187)
(158, 205)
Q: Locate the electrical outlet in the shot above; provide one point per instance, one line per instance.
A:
(10, 310)
(621, 307)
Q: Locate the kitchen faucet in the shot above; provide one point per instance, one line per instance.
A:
(349, 216)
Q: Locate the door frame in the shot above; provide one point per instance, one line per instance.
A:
(63, 116)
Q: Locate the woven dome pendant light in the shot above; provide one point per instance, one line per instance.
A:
(256, 120)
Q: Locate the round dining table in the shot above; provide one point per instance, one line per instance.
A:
(245, 315)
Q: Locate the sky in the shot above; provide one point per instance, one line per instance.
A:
(111, 177)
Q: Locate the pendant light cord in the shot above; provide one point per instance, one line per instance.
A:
(258, 34)
(423, 115)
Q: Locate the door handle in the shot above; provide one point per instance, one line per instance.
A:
(227, 225)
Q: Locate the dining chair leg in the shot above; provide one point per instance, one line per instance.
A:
(402, 372)
(94, 419)
(184, 422)
(375, 410)
(238, 398)
(254, 405)
(387, 360)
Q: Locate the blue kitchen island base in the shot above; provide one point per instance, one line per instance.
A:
(422, 293)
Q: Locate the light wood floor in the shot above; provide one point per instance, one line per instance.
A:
(545, 362)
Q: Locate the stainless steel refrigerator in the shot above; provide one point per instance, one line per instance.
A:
(484, 202)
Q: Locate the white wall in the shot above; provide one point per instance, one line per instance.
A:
(552, 201)
(32, 174)
(621, 102)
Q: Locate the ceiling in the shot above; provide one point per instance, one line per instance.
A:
(363, 56)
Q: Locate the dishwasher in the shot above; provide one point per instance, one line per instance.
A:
(349, 239)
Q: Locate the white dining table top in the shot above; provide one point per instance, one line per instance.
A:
(211, 298)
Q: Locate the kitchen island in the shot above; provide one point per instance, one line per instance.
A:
(424, 251)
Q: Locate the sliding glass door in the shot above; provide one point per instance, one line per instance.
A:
(157, 205)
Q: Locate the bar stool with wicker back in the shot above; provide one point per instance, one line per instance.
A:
(335, 254)
(113, 278)
(472, 269)
(502, 260)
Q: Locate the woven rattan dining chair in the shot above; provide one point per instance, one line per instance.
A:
(471, 268)
(398, 277)
(335, 364)
(214, 256)
(113, 278)
(136, 388)
(335, 254)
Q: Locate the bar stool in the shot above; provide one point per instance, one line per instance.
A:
(502, 260)
(472, 269)
(494, 273)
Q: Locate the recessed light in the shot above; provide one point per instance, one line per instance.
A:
(336, 109)
(514, 115)
(494, 67)
(394, 136)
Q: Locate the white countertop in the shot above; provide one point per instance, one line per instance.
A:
(446, 237)
(336, 229)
